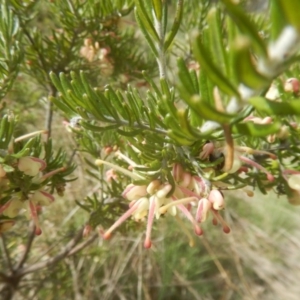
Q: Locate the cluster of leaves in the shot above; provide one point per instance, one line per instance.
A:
(171, 122)
(14, 182)
(11, 54)
(38, 37)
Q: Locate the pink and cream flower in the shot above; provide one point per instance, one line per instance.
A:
(31, 165)
(157, 198)
(39, 198)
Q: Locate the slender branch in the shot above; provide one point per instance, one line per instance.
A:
(161, 59)
(75, 281)
(72, 157)
(220, 267)
(52, 90)
(52, 261)
(136, 125)
(6, 254)
(83, 245)
(3, 277)
(49, 117)
(36, 49)
(24, 257)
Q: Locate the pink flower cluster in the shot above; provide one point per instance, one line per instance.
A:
(30, 166)
(192, 196)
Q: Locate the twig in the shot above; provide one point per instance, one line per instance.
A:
(76, 290)
(5, 251)
(219, 266)
(72, 157)
(49, 117)
(161, 60)
(24, 257)
(3, 277)
(140, 272)
(51, 261)
(120, 270)
(49, 113)
(187, 285)
(83, 244)
(38, 287)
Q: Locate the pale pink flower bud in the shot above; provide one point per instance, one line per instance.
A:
(292, 85)
(177, 172)
(134, 192)
(207, 149)
(186, 179)
(110, 175)
(153, 187)
(142, 210)
(217, 200)
(163, 191)
(31, 165)
(202, 211)
(87, 230)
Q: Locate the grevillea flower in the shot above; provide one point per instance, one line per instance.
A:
(31, 165)
(157, 198)
(144, 200)
(12, 207)
(39, 198)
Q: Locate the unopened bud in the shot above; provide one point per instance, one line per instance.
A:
(292, 86)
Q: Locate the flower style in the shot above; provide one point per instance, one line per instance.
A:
(31, 165)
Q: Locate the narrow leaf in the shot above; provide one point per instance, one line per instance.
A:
(256, 130)
(276, 108)
(212, 70)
